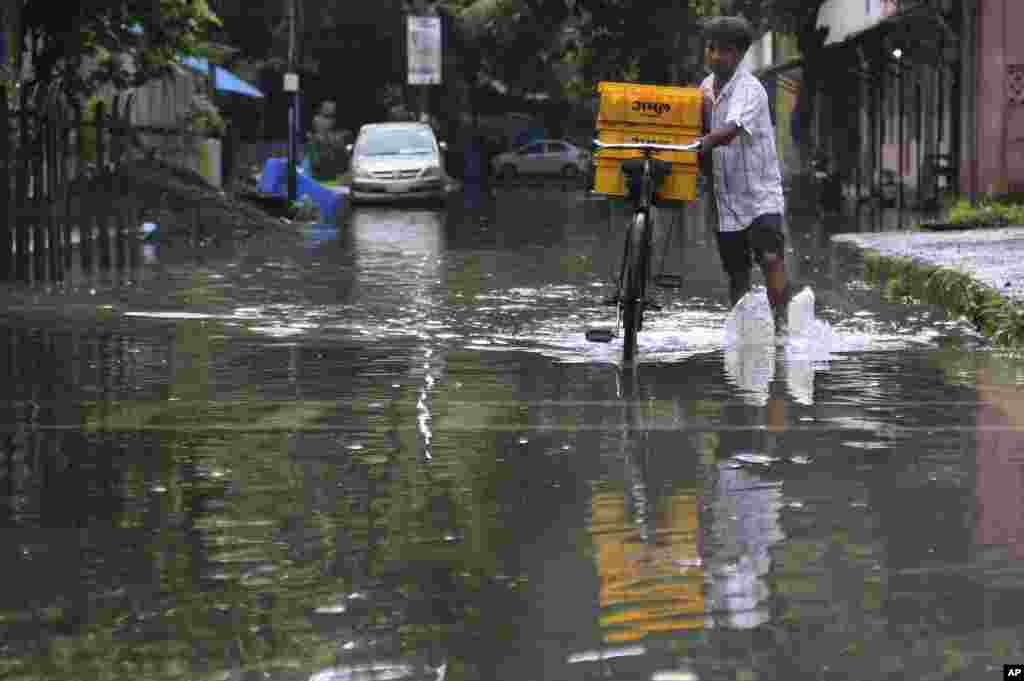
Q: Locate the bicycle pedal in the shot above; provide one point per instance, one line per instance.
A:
(600, 335)
(669, 281)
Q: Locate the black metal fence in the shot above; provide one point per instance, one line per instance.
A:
(61, 198)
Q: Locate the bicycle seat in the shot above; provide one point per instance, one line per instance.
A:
(634, 171)
(635, 167)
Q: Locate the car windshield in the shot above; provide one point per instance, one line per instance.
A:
(395, 142)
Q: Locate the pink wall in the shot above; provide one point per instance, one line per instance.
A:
(1000, 126)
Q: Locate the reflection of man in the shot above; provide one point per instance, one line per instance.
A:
(744, 529)
(745, 519)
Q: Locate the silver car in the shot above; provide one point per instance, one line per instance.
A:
(396, 161)
(543, 157)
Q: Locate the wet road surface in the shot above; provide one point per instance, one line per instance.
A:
(385, 451)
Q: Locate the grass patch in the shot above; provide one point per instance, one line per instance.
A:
(994, 315)
(991, 211)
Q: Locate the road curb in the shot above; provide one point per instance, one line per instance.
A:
(998, 317)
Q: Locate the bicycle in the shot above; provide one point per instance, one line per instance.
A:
(643, 178)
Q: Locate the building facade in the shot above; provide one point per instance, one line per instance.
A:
(911, 98)
(997, 74)
(888, 113)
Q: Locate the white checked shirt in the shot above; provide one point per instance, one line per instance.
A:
(748, 182)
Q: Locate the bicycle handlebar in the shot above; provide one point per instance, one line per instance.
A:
(648, 145)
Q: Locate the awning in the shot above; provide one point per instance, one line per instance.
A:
(225, 81)
(848, 18)
(850, 21)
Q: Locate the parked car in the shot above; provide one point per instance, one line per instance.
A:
(543, 157)
(396, 161)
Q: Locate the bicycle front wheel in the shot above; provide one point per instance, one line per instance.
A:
(634, 277)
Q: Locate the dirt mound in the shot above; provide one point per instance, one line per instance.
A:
(176, 199)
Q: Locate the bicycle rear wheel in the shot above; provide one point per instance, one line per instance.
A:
(633, 280)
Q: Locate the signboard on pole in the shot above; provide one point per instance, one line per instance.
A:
(424, 50)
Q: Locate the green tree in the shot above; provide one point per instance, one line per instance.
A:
(117, 42)
(521, 41)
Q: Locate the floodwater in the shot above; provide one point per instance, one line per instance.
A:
(384, 450)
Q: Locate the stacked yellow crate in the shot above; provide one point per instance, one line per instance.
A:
(662, 114)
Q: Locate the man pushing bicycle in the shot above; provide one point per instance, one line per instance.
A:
(739, 145)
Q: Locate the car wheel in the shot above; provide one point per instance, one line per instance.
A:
(570, 171)
(508, 172)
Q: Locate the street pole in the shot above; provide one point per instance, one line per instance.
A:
(293, 115)
(899, 186)
(971, 58)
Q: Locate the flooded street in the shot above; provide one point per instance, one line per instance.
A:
(386, 451)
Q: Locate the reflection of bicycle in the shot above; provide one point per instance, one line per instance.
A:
(646, 532)
(643, 179)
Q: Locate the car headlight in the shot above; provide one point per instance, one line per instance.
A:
(361, 173)
(431, 173)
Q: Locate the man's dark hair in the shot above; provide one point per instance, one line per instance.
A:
(729, 31)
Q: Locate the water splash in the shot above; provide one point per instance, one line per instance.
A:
(749, 323)
(749, 344)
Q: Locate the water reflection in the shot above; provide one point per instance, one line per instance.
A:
(744, 513)
(317, 235)
(684, 535)
(645, 532)
(400, 259)
(1000, 461)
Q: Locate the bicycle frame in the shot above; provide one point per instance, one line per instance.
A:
(630, 297)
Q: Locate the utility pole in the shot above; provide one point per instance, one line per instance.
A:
(291, 86)
(899, 187)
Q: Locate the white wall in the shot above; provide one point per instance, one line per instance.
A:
(759, 55)
(163, 103)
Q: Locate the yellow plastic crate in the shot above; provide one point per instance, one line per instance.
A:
(665, 106)
(681, 185)
(625, 134)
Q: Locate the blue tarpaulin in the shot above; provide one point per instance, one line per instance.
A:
(275, 181)
(225, 80)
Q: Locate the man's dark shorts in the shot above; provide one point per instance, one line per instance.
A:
(739, 250)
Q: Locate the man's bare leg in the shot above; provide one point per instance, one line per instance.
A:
(775, 279)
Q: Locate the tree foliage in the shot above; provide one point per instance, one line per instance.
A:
(521, 42)
(615, 39)
(118, 42)
(325, 31)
